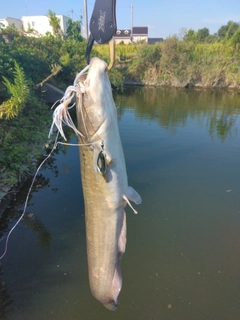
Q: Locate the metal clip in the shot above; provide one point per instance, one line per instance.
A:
(103, 27)
(112, 53)
(111, 47)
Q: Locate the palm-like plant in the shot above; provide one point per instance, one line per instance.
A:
(19, 91)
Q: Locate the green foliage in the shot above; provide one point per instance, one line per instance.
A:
(19, 91)
(227, 31)
(190, 36)
(116, 79)
(235, 39)
(35, 55)
(188, 62)
(199, 59)
(55, 24)
(72, 58)
(202, 35)
(74, 30)
(146, 59)
(124, 52)
(22, 139)
(232, 29)
(11, 29)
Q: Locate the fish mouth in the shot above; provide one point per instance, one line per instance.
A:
(112, 305)
(110, 299)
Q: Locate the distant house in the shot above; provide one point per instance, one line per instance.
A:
(6, 22)
(138, 34)
(123, 36)
(41, 23)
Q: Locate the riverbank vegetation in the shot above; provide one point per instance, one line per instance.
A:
(195, 58)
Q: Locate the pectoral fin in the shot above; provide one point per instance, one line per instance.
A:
(133, 196)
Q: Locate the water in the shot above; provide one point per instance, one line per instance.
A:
(182, 150)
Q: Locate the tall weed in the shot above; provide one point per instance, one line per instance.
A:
(19, 91)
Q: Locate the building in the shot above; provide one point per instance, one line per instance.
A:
(139, 34)
(6, 22)
(41, 23)
(38, 23)
(123, 36)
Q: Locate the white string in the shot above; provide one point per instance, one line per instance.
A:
(61, 114)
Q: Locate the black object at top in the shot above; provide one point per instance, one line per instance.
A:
(103, 24)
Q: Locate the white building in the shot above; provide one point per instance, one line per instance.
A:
(138, 34)
(41, 23)
(5, 22)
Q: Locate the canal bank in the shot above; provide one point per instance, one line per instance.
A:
(37, 149)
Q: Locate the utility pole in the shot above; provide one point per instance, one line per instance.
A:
(71, 12)
(86, 17)
(131, 23)
(81, 20)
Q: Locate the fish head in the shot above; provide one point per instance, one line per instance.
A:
(99, 111)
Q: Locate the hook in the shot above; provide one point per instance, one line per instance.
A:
(112, 51)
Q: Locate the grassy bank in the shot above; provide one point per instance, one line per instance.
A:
(22, 144)
(179, 63)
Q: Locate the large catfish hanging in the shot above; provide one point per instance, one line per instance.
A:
(104, 180)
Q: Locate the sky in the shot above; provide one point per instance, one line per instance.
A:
(163, 17)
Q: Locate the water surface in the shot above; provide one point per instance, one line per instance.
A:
(182, 150)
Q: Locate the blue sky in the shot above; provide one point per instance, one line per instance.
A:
(163, 17)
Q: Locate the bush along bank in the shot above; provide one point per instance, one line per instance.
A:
(185, 63)
(23, 141)
(194, 58)
(24, 125)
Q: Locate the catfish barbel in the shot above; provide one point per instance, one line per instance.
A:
(104, 180)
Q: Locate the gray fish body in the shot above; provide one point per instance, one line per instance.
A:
(106, 193)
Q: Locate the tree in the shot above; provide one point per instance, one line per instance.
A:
(190, 35)
(55, 24)
(233, 27)
(74, 30)
(202, 34)
(228, 30)
(235, 39)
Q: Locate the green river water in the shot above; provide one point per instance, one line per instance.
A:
(182, 261)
